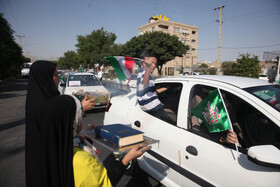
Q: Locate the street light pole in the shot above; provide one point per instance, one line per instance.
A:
(20, 36)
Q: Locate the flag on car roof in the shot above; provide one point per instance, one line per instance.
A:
(212, 112)
(122, 66)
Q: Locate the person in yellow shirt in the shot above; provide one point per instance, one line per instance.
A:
(67, 159)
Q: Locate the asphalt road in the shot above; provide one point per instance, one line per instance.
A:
(12, 136)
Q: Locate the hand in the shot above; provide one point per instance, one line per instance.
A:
(135, 152)
(91, 126)
(231, 137)
(148, 62)
(88, 104)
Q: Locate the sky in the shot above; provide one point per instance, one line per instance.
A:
(50, 27)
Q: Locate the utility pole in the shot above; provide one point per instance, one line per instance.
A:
(20, 36)
(220, 32)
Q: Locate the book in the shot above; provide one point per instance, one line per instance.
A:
(120, 135)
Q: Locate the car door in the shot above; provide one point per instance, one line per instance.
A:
(161, 160)
(205, 162)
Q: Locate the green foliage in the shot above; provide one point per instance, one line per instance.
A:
(246, 66)
(70, 60)
(227, 67)
(162, 45)
(203, 66)
(11, 57)
(207, 71)
(93, 48)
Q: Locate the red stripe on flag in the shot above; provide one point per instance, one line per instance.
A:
(129, 62)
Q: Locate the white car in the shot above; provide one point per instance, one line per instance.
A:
(186, 156)
(263, 77)
(25, 69)
(74, 82)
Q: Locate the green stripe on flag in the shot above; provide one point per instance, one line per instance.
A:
(117, 68)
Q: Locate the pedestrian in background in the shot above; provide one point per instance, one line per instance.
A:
(99, 74)
(271, 74)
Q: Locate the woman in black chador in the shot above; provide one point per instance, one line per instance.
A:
(42, 85)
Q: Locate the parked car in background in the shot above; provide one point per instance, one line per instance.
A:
(187, 155)
(263, 77)
(197, 73)
(80, 82)
(25, 69)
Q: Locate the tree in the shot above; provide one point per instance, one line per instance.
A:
(93, 48)
(11, 57)
(203, 66)
(70, 60)
(227, 67)
(162, 45)
(246, 66)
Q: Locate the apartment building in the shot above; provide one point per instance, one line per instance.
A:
(187, 34)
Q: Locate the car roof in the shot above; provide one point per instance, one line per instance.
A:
(240, 82)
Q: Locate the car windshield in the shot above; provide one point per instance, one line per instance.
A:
(270, 94)
(83, 80)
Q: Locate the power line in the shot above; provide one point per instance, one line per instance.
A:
(241, 47)
(250, 47)
(256, 13)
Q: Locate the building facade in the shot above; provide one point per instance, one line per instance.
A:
(186, 33)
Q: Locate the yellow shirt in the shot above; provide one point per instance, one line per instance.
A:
(88, 171)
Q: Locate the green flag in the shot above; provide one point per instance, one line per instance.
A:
(212, 112)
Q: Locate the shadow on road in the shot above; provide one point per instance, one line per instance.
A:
(14, 85)
(12, 124)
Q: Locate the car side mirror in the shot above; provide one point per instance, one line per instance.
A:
(265, 155)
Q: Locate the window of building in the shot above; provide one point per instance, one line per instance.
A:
(170, 70)
(142, 32)
(185, 31)
(193, 49)
(193, 32)
(163, 27)
(153, 29)
(176, 29)
(184, 40)
(193, 41)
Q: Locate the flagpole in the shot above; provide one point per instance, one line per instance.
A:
(228, 120)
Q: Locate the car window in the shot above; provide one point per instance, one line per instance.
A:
(270, 94)
(83, 80)
(170, 100)
(251, 126)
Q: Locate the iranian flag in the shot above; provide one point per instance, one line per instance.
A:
(212, 112)
(122, 66)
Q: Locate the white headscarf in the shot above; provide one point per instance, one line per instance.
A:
(77, 142)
